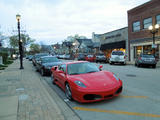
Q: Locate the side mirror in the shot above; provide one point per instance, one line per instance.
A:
(100, 67)
(54, 68)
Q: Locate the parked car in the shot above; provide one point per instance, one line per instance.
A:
(117, 57)
(146, 59)
(67, 56)
(44, 64)
(81, 56)
(30, 57)
(37, 57)
(101, 58)
(91, 58)
(85, 82)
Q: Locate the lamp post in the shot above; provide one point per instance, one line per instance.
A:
(20, 41)
(154, 30)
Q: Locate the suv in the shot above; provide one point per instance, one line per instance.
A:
(146, 59)
(117, 57)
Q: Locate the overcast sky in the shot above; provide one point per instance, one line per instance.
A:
(51, 21)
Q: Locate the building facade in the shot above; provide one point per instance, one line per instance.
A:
(140, 39)
(114, 40)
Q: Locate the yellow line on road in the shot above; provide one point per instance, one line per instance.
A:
(125, 96)
(116, 112)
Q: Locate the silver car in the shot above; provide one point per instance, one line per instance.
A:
(117, 57)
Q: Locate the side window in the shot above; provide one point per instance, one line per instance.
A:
(62, 67)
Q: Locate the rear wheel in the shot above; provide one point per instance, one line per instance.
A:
(135, 64)
(154, 66)
(68, 92)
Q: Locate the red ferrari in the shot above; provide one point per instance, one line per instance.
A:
(84, 82)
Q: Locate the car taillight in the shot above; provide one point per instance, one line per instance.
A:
(139, 58)
(124, 57)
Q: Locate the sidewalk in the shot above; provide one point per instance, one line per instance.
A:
(24, 96)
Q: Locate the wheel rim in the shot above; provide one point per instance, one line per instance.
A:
(68, 92)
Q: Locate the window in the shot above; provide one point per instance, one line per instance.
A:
(62, 67)
(147, 22)
(136, 26)
(158, 19)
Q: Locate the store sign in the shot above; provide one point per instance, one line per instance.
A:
(154, 46)
(112, 36)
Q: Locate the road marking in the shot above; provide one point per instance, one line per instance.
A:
(126, 96)
(117, 112)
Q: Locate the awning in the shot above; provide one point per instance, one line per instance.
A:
(115, 45)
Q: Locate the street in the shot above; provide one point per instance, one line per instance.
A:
(139, 100)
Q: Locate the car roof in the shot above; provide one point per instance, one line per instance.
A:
(48, 56)
(74, 62)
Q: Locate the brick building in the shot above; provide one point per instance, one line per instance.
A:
(139, 37)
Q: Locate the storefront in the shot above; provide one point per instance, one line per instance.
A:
(114, 40)
(144, 46)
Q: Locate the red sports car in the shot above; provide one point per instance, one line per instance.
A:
(84, 82)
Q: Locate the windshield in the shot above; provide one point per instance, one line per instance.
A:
(49, 59)
(117, 53)
(81, 68)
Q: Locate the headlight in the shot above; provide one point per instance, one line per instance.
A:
(79, 83)
(115, 77)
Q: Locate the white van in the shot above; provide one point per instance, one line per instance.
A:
(117, 57)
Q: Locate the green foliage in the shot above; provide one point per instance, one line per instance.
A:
(35, 48)
(8, 62)
(14, 40)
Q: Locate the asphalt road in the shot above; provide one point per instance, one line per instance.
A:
(139, 100)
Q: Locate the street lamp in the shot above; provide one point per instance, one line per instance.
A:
(20, 41)
(154, 30)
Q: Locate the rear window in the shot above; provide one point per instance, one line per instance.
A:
(147, 56)
(117, 53)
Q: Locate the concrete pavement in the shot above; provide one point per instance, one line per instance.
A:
(25, 96)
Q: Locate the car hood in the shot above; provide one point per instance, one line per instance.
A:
(96, 80)
(52, 64)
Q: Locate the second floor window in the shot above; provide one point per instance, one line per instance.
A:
(158, 19)
(147, 22)
(136, 26)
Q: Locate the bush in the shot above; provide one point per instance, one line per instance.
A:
(4, 56)
(8, 62)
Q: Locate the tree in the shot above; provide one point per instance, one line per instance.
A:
(14, 40)
(35, 48)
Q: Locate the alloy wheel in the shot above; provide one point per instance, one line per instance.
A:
(68, 92)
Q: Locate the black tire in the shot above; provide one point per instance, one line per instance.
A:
(42, 72)
(68, 92)
(135, 64)
(154, 66)
(52, 79)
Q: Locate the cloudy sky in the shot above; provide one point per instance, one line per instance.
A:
(51, 21)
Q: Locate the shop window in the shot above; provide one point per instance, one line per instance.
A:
(136, 26)
(158, 19)
(147, 22)
(147, 49)
(138, 51)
